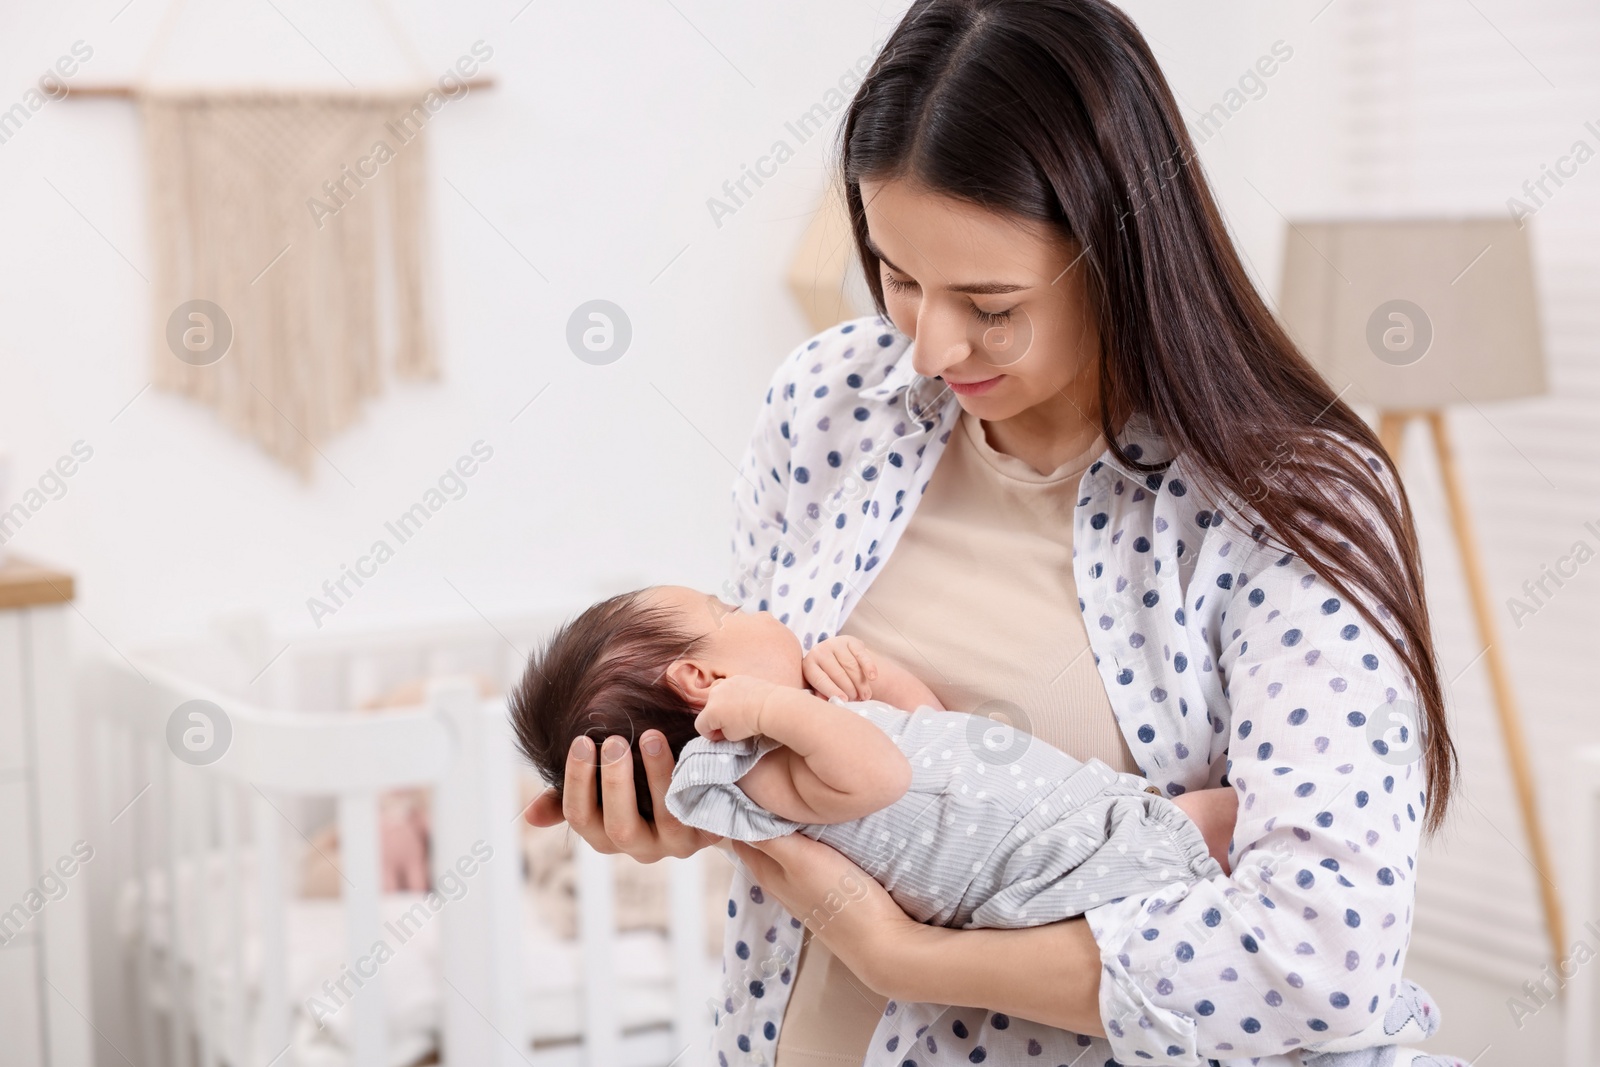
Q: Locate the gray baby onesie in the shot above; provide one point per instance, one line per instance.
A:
(986, 836)
(1008, 834)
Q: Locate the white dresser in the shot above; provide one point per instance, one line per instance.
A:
(44, 968)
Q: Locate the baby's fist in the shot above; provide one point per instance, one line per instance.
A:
(733, 709)
(840, 667)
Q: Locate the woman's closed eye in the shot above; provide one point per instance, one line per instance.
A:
(988, 318)
(992, 318)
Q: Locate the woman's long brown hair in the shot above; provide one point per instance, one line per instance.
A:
(1055, 110)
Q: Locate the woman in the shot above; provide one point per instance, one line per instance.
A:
(1075, 428)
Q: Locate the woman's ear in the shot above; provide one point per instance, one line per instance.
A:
(692, 679)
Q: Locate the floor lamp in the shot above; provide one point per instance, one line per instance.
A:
(1416, 315)
(825, 275)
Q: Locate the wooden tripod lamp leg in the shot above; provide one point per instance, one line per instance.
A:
(1392, 431)
(1500, 681)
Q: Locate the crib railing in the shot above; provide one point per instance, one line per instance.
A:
(167, 823)
(191, 814)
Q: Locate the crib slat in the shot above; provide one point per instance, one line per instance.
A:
(475, 850)
(170, 785)
(197, 827)
(687, 920)
(228, 817)
(273, 1028)
(597, 933)
(107, 782)
(358, 854)
(502, 875)
(145, 815)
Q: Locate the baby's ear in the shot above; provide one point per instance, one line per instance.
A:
(690, 679)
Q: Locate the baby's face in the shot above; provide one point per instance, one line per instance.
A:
(736, 642)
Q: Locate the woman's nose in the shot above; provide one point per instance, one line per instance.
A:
(941, 344)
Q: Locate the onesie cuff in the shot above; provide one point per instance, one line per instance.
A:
(1199, 863)
(703, 793)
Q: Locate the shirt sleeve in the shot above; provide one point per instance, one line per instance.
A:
(760, 493)
(1303, 942)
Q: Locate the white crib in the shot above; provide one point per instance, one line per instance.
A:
(204, 855)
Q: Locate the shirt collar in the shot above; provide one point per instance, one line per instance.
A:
(897, 377)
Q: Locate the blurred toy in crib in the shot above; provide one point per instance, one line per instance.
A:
(403, 820)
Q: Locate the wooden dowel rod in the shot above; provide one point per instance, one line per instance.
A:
(129, 92)
(1392, 432)
(1500, 683)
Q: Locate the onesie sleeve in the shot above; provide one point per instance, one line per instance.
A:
(703, 793)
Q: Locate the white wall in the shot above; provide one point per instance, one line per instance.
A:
(611, 126)
(594, 157)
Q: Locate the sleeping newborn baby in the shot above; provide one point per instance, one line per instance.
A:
(961, 833)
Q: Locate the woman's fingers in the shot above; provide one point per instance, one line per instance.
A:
(544, 810)
(579, 805)
(787, 867)
(764, 869)
(623, 824)
(673, 838)
(658, 764)
(617, 826)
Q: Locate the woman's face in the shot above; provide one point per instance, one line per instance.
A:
(997, 304)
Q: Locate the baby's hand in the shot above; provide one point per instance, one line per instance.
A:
(840, 667)
(733, 709)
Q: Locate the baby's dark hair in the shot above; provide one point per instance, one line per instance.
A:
(604, 673)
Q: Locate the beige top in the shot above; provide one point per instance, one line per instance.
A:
(978, 600)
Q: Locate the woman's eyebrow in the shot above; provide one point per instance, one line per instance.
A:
(975, 288)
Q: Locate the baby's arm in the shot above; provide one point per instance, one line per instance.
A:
(844, 667)
(1214, 811)
(834, 766)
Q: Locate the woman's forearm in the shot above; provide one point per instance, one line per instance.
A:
(1049, 974)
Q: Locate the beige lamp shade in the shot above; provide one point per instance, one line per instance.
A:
(1415, 314)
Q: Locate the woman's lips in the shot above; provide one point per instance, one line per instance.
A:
(974, 388)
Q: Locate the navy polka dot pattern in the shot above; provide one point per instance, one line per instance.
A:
(1227, 662)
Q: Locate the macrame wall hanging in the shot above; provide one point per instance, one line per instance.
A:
(288, 230)
(239, 216)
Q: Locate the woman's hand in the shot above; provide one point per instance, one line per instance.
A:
(1215, 812)
(1050, 974)
(621, 828)
(842, 905)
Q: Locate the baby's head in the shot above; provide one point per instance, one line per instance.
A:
(639, 661)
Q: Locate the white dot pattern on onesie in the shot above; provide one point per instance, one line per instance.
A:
(1226, 661)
